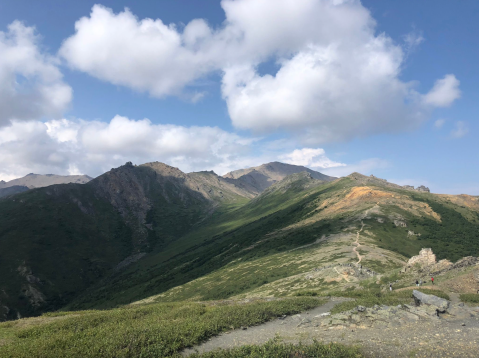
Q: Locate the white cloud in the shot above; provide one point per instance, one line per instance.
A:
(439, 123)
(460, 129)
(337, 78)
(31, 84)
(310, 157)
(82, 147)
(412, 41)
(146, 55)
(72, 147)
(444, 92)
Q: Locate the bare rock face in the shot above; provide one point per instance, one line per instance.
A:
(442, 265)
(420, 188)
(440, 304)
(425, 258)
(400, 223)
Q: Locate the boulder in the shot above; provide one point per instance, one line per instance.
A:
(440, 304)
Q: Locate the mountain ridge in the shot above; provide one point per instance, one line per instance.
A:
(265, 175)
(32, 180)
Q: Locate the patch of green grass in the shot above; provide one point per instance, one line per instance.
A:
(155, 330)
(275, 349)
(469, 297)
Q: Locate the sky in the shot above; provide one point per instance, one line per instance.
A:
(388, 88)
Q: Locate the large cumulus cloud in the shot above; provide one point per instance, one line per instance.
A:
(337, 79)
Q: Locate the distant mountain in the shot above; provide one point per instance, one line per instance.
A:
(39, 181)
(11, 190)
(263, 176)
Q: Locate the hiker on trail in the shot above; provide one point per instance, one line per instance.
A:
(390, 287)
(432, 280)
(417, 283)
(420, 282)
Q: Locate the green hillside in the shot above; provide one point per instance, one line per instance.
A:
(152, 232)
(246, 250)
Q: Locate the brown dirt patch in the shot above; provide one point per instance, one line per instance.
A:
(364, 196)
(471, 202)
(464, 284)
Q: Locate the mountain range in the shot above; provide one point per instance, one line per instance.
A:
(32, 181)
(152, 232)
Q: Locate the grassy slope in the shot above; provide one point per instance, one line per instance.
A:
(239, 248)
(156, 330)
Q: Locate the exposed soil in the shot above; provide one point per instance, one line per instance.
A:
(422, 338)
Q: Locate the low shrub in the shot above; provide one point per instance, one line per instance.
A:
(281, 350)
(469, 297)
(153, 330)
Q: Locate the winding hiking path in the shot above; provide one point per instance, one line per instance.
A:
(358, 244)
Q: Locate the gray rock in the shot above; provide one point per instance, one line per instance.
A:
(421, 299)
(361, 308)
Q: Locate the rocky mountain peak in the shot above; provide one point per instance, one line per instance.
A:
(263, 176)
(165, 169)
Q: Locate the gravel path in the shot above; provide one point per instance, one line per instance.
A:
(424, 338)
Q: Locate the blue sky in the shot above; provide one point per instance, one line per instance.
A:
(381, 87)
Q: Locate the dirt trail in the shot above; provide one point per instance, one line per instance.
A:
(355, 249)
(423, 338)
(342, 275)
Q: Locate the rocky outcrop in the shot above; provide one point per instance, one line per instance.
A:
(395, 316)
(445, 265)
(420, 188)
(440, 304)
(425, 258)
(425, 262)
(423, 188)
